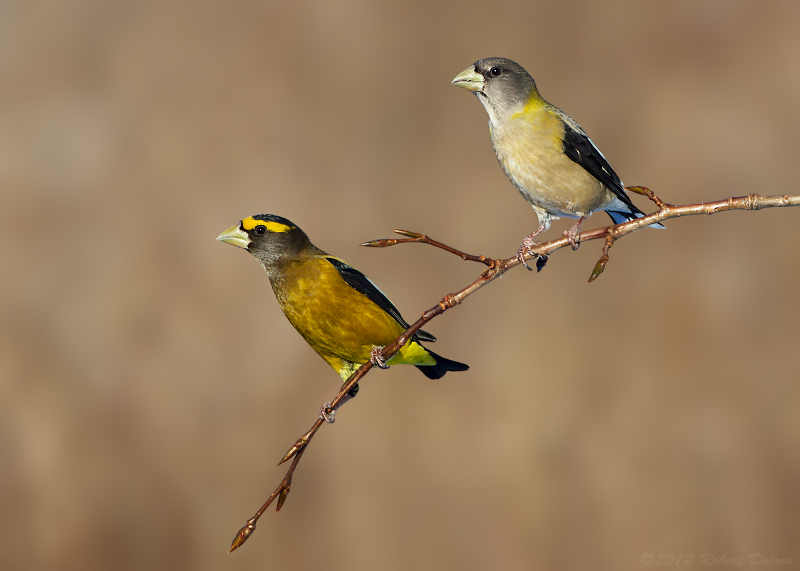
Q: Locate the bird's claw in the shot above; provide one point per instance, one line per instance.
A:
(573, 235)
(329, 417)
(376, 358)
(526, 248)
(521, 258)
(574, 238)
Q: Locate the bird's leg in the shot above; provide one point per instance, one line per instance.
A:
(573, 234)
(526, 246)
(376, 358)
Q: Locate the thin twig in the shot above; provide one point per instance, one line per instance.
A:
(423, 239)
(601, 263)
(496, 268)
(280, 492)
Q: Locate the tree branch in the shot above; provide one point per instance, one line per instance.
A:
(496, 268)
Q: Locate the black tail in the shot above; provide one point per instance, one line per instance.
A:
(442, 365)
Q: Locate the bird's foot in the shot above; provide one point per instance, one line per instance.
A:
(573, 234)
(521, 256)
(329, 417)
(527, 245)
(376, 358)
(573, 238)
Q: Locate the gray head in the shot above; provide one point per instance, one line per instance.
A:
(502, 85)
(270, 239)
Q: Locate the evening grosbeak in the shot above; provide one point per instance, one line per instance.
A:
(544, 152)
(337, 309)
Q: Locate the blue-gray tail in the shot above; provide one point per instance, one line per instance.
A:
(618, 217)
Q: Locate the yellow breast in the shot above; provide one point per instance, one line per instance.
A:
(529, 147)
(340, 323)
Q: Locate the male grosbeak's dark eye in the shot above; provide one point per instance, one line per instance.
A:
(260, 230)
(495, 71)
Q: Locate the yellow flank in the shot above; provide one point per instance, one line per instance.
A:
(344, 368)
(250, 223)
(412, 353)
(340, 323)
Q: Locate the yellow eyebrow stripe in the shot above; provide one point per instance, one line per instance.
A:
(250, 223)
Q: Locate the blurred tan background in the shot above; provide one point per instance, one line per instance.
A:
(149, 383)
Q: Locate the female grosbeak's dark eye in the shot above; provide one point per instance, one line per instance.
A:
(261, 230)
(495, 71)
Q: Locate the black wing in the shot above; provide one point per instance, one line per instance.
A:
(579, 147)
(362, 284)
